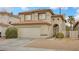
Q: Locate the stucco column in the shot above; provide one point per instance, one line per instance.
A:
(60, 28)
(71, 27)
(35, 16)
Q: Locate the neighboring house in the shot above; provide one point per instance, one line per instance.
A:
(5, 20)
(14, 18)
(39, 24)
(76, 27)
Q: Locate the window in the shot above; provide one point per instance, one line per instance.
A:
(42, 16)
(57, 18)
(28, 17)
(53, 18)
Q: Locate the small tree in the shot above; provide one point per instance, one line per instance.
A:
(71, 21)
(11, 32)
(67, 28)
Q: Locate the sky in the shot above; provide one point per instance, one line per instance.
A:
(67, 11)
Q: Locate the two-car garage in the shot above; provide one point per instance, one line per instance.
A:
(33, 29)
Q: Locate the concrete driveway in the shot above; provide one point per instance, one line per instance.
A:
(18, 45)
(64, 44)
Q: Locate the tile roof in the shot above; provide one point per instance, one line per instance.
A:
(5, 13)
(32, 22)
(39, 11)
(3, 24)
(76, 23)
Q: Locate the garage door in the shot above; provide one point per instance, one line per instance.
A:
(29, 32)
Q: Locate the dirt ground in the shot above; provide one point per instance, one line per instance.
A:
(59, 45)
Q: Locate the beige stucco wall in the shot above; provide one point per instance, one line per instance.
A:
(45, 31)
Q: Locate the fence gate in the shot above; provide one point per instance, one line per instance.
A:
(74, 34)
(67, 34)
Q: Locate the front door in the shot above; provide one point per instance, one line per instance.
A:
(55, 29)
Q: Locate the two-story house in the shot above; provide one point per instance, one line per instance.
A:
(39, 24)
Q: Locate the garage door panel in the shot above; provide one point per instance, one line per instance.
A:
(29, 32)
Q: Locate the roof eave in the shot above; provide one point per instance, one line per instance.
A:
(33, 24)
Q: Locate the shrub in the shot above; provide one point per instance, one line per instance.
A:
(11, 32)
(59, 35)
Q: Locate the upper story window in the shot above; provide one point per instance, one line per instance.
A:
(28, 17)
(57, 18)
(42, 16)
